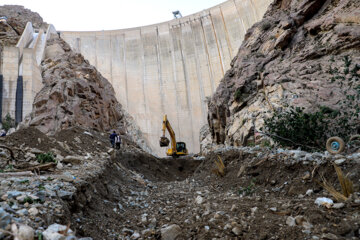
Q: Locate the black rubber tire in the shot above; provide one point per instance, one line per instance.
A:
(330, 141)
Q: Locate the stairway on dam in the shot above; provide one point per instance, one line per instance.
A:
(171, 67)
(20, 73)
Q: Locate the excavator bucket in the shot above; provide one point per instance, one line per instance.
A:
(164, 142)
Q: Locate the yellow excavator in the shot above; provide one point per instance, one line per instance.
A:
(177, 148)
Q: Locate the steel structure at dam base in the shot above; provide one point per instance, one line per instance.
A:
(171, 67)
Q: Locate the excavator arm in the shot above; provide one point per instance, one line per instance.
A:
(177, 148)
(164, 141)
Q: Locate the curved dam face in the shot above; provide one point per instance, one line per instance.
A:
(171, 67)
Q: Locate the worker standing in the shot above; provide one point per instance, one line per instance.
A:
(112, 139)
(117, 141)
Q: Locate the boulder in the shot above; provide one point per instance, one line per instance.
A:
(52, 232)
(25, 233)
(73, 159)
(5, 219)
(171, 232)
(53, 51)
(11, 131)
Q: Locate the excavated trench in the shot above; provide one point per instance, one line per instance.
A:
(138, 193)
(107, 201)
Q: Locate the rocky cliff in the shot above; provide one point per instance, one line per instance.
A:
(287, 59)
(76, 94)
(17, 17)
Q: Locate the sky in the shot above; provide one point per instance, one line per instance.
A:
(92, 15)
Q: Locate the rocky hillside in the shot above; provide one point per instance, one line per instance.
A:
(17, 17)
(296, 56)
(76, 94)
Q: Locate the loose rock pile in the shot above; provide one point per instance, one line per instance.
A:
(265, 193)
(37, 201)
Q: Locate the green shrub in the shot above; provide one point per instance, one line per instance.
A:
(25, 181)
(28, 199)
(237, 95)
(265, 143)
(8, 122)
(45, 158)
(265, 26)
(295, 127)
(249, 189)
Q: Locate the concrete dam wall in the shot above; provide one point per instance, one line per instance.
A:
(20, 73)
(171, 67)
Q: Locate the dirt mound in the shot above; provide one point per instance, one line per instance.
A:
(92, 210)
(253, 204)
(278, 187)
(158, 169)
(105, 203)
(82, 140)
(268, 170)
(32, 138)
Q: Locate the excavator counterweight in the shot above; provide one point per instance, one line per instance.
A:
(177, 148)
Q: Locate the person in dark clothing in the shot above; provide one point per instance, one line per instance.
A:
(112, 139)
(117, 141)
(2, 133)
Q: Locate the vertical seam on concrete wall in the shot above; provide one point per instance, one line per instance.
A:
(158, 54)
(241, 20)
(188, 96)
(111, 61)
(226, 35)
(96, 52)
(143, 78)
(253, 8)
(199, 76)
(174, 78)
(1, 84)
(1, 61)
(217, 45)
(126, 84)
(78, 44)
(1, 95)
(208, 57)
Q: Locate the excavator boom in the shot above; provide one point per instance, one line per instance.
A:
(164, 141)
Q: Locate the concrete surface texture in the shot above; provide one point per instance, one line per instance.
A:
(171, 67)
(23, 60)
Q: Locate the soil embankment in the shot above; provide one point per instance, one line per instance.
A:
(264, 194)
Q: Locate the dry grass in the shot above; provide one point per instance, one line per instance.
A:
(345, 183)
(220, 167)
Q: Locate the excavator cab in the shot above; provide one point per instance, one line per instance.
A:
(181, 147)
(177, 148)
